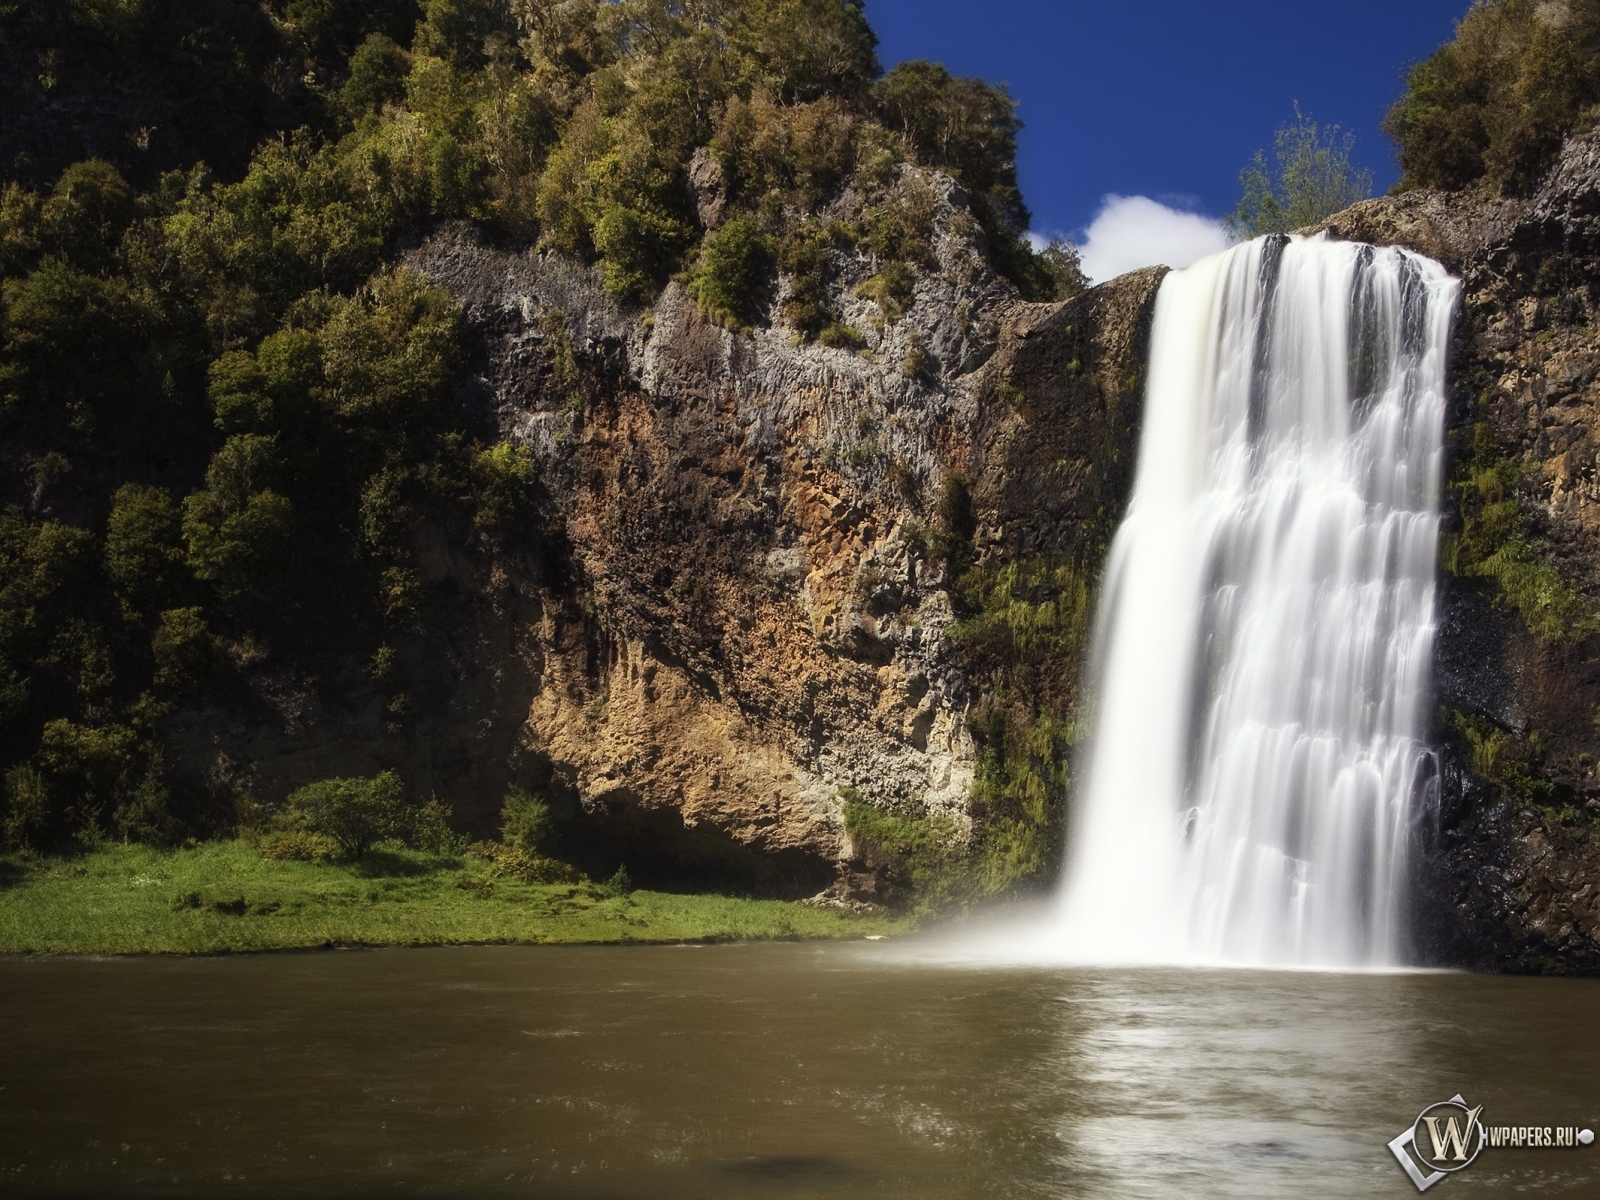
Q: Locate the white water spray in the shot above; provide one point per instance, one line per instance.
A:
(1264, 639)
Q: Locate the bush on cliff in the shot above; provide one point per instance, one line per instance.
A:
(1494, 104)
(732, 273)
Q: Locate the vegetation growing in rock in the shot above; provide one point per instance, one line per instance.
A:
(1514, 762)
(1494, 104)
(931, 856)
(1496, 544)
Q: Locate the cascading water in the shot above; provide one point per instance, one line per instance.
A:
(1263, 645)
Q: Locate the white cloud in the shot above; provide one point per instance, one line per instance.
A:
(1130, 232)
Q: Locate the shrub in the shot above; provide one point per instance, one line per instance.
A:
(620, 883)
(26, 819)
(184, 650)
(378, 71)
(526, 822)
(916, 366)
(891, 289)
(529, 866)
(1063, 266)
(731, 277)
(431, 831)
(840, 336)
(389, 356)
(804, 255)
(638, 247)
(99, 778)
(356, 814)
(503, 476)
(296, 845)
(901, 227)
(785, 154)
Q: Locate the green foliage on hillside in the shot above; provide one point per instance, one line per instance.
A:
(231, 417)
(1494, 104)
(1311, 178)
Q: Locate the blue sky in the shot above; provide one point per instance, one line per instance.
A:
(1167, 99)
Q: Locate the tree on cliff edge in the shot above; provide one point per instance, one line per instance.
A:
(1311, 178)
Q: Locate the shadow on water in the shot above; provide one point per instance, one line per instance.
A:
(788, 1168)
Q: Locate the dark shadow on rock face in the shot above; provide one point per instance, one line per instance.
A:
(665, 853)
(1469, 652)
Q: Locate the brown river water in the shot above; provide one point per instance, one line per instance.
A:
(788, 1071)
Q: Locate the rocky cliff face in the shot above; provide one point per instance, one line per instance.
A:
(775, 572)
(1511, 874)
(780, 583)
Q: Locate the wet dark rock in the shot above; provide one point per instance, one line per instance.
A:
(1511, 858)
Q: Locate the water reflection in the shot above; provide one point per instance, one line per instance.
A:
(786, 1071)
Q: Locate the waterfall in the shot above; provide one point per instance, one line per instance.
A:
(1259, 686)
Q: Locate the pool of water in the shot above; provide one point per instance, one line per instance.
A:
(787, 1071)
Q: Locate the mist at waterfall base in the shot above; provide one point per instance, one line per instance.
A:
(1259, 684)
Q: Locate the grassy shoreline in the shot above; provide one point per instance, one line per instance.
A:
(224, 897)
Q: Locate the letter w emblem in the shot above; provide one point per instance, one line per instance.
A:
(1455, 1139)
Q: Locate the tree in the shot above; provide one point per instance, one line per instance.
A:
(1313, 178)
(239, 534)
(144, 552)
(1064, 266)
(356, 813)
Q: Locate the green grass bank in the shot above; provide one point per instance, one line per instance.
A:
(225, 897)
